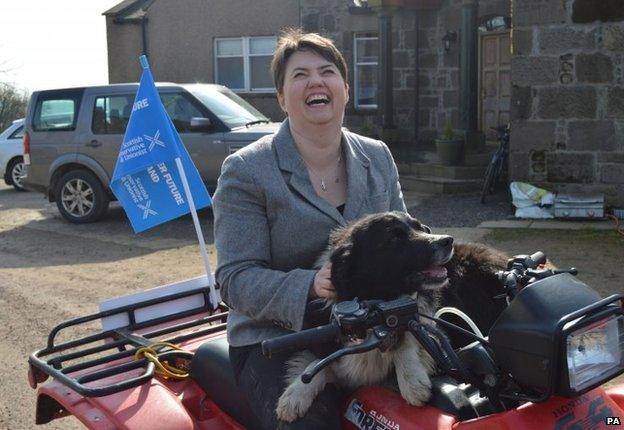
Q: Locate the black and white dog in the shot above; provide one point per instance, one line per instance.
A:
(384, 256)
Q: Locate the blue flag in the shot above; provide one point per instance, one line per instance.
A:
(146, 180)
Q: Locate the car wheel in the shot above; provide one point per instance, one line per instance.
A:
(80, 197)
(15, 171)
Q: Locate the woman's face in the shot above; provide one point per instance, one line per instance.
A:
(314, 92)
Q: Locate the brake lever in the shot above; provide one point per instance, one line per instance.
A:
(374, 340)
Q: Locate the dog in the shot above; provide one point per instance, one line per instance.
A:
(385, 256)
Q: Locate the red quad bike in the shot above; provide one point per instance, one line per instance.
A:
(541, 366)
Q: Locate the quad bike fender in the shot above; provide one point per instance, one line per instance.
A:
(595, 409)
(179, 405)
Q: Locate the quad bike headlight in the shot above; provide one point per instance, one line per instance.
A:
(558, 337)
(594, 352)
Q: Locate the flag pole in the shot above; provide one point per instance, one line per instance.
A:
(214, 295)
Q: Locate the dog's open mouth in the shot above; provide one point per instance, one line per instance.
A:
(434, 274)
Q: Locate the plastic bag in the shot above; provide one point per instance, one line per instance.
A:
(531, 201)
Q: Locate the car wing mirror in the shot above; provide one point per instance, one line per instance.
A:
(200, 124)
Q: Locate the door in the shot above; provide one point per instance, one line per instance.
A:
(495, 80)
(206, 148)
(101, 133)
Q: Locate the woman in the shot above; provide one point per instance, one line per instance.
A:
(277, 201)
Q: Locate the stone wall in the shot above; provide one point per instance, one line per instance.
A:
(439, 76)
(180, 40)
(567, 112)
(339, 20)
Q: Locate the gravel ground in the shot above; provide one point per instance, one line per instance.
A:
(51, 271)
(462, 210)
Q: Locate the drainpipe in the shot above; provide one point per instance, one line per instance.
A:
(416, 78)
(469, 102)
(385, 38)
(144, 34)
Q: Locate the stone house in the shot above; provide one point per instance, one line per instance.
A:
(554, 69)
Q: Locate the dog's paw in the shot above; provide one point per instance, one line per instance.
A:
(293, 404)
(417, 391)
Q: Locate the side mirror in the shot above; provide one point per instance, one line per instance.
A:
(200, 124)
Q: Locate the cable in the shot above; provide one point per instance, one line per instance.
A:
(452, 326)
(162, 368)
(463, 316)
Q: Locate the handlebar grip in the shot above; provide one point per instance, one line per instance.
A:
(300, 340)
(536, 259)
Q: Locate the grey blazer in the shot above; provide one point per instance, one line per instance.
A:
(270, 227)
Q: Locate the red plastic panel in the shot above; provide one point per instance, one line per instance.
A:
(588, 411)
(379, 408)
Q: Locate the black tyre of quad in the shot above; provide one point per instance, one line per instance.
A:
(81, 197)
(14, 172)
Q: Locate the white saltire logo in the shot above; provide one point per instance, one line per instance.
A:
(146, 209)
(154, 140)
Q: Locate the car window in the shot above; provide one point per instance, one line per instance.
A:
(56, 113)
(180, 110)
(227, 106)
(111, 114)
(17, 134)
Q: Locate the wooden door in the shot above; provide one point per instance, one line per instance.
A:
(495, 80)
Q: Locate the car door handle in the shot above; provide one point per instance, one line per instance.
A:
(94, 143)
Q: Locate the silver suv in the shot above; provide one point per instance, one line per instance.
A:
(72, 138)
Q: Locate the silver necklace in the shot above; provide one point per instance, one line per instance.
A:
(323, 186)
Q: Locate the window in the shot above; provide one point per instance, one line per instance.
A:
(242, 63)
(56, 112)
(495, 23)
(226, 105)
(111, 114)
(17, 134)
(180, 110)
(366, 55)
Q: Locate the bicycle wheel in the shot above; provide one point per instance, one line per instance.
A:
(490, 175)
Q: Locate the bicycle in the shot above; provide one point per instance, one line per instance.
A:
(499, 159)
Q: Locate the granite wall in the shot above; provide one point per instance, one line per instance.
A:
(567, 113)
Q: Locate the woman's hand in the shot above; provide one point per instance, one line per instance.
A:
(322, 286)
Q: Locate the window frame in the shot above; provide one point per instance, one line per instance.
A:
(356, 69)
(246, 54)
(57, 95)
(96, 97)
(18, 130)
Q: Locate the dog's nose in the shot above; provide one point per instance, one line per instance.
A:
(444, 241)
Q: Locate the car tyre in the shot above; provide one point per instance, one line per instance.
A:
(14, 173)
(81, 197)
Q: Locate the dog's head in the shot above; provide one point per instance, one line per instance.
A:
(385, 255)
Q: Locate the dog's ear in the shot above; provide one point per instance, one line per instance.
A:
(341, 260)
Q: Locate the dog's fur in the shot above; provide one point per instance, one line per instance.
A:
(384, 256)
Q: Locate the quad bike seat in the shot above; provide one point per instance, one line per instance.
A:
(211, 369)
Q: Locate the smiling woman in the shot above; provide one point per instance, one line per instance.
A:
(277, 200)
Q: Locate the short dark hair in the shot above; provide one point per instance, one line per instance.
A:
(293, 40)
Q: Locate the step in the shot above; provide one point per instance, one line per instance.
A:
(431, 157)
(436, 185)
(441, 171)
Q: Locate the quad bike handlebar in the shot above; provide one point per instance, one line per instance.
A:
(524, 269)
(374, 324)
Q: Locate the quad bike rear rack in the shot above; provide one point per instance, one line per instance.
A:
(117, 347)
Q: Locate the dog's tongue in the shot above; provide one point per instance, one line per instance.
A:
(435, 272)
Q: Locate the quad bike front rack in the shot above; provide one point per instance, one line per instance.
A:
(67, 361)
